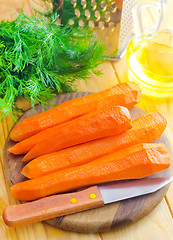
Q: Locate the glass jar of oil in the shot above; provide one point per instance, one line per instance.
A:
(150, 62)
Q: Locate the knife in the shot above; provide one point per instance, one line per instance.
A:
(92, 197)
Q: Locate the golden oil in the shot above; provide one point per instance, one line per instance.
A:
(150, 61)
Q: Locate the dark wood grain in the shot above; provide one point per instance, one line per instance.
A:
(100, 219)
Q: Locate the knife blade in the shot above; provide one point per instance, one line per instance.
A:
(92, 197)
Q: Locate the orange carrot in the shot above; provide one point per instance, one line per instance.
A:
(137, 161)
(27, 144)
(85, 128)
(145, 129)
(124, 94)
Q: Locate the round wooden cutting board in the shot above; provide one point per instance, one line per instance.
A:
(103, 218)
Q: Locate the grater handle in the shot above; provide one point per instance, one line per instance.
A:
(137, 14)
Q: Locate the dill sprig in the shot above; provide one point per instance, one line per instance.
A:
(39, 59)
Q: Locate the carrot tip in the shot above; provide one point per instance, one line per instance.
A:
(26, 158)
(24, 172)
(10, 149)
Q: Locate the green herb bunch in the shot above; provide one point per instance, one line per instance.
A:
(39, 58)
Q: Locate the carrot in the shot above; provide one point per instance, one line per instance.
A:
(124, 94)
(137, 161)
(145, 129)
(27, 144)
(85, 128)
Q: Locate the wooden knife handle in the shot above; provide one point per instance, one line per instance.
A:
(53, 206)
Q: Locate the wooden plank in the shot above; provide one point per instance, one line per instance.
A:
(169, 199)
(54, 233)
(5, 232)
(10, 9)
(40, 5)
(121, 69)
(156, 226)
(31, 232)
(99, 83)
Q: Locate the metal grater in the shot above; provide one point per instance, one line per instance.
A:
(110, 19)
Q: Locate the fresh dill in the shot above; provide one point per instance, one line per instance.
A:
(39, 59)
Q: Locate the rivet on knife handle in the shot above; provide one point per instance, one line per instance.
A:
(53, 206)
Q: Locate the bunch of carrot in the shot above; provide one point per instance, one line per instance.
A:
(88, 140)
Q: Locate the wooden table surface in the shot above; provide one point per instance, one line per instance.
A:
(158, 225)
